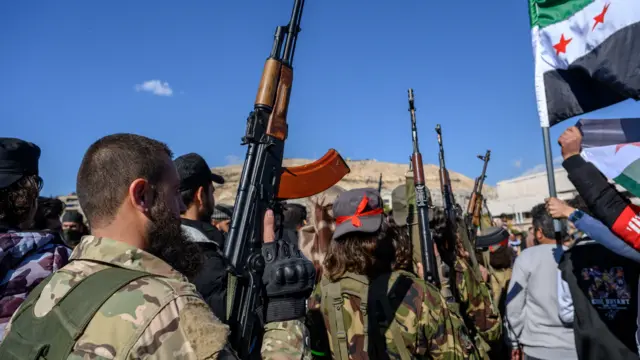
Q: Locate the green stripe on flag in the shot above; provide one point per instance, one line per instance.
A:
(548, 12)
(628, 183)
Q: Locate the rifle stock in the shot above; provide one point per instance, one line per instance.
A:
(262, 181)
(477, 210)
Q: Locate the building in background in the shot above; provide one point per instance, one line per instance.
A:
(71, 202)
(516, 197)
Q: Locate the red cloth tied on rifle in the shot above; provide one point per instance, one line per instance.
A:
(358, 210)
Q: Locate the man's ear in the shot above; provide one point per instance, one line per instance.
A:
(141, 195)
(200, 194)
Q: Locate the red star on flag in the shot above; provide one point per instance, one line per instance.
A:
(620, 146)
(600, 17)
(561, 46)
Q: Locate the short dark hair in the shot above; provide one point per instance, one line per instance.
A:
(542, 220)
(109, 166)
(18, 199)
(48, 208)
(188, 196)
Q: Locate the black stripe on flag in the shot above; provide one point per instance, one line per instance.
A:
(608, 74)
(598, 132)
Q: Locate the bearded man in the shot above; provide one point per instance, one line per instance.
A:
(125, 294)
(196, 191)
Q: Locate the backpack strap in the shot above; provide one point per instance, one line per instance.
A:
(380, 286)
(336, 320)
(364, 308)
(55, 334)
(77, 307)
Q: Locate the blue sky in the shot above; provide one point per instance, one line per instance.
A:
(69, 70)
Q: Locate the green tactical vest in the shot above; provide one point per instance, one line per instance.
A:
(53, 336)
(357, 286)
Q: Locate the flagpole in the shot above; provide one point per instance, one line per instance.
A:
(551, 178)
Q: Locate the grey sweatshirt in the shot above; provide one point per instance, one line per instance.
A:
(532, 306)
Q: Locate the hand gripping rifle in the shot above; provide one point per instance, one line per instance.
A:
(263, 182)
(428, 257)
(474, 208)
(450, 210)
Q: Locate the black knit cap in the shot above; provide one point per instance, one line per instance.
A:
(73, 216)
(18, 158)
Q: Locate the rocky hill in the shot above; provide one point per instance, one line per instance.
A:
(364, 173)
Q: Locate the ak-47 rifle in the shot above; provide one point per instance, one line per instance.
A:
(449, 207)
(380, 183)
(426, 242)
(474, 207)
(263, 182)
(445, 186)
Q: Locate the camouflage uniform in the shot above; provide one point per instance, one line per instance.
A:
(499, 282)
(155, 317)
(476, 306)
(428, 328)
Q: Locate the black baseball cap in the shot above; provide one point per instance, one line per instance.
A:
(194, 172)
(358, 210)
(18, 158)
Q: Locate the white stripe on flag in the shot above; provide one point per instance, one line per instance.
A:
(612, 160)
(579, 28)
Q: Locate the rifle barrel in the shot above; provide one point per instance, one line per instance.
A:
(292, 32)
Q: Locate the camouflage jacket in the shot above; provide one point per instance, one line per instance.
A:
(155, 317)
(428, 329)
(26, 258)
(476, 303)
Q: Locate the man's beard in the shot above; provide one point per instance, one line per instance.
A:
(207, 211)
(166, 241)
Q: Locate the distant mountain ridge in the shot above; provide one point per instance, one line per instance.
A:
(365, 173)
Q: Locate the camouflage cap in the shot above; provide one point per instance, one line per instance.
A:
(399, 205)
(358, 210)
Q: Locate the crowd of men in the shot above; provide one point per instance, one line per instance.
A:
(145, 277)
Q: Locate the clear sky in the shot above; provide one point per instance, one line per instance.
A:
(69, 70)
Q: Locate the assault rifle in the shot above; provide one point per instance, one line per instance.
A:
(426, 242)
(380, 183)
(450, 210)
(474, 207)
(263, 182)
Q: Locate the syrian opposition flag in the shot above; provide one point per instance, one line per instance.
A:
(587, 55)
(613, 146)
